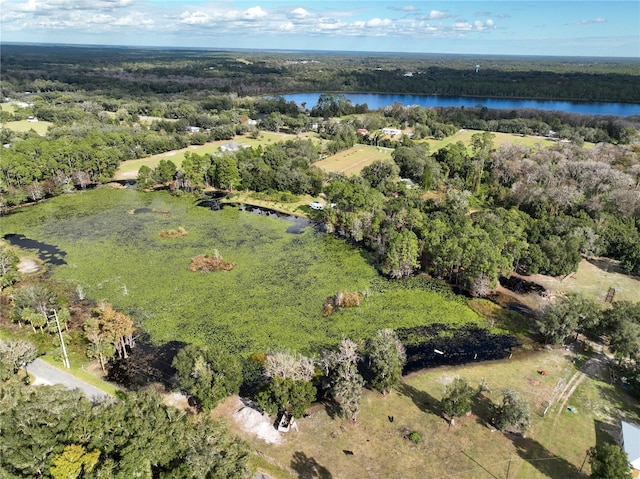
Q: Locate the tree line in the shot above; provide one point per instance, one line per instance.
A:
(125, 72)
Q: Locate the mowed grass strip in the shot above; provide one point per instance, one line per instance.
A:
(555, 446)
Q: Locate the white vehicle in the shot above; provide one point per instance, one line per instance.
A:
(316, 205)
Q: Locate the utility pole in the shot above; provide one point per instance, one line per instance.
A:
(508, 468)
(65, 357)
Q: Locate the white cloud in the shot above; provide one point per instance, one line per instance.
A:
(199, 20)
(194, 18)
(465, 26)
(437, 15)
(595, 20)
(378, 22)
(299, 13)
(254, 13)
(404, 8)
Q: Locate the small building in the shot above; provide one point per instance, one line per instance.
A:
(631, 445)
(194, 129)
(363, 131)
(233, 146)
(391, 131)
(408, 184)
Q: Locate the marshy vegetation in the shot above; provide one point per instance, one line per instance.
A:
(273, 297)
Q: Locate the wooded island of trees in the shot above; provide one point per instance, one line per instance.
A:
(469, 215)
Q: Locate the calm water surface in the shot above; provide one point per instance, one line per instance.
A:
(379, 100)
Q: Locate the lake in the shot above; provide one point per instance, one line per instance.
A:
(376, 101)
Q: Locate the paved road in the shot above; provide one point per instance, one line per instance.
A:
(45, 373)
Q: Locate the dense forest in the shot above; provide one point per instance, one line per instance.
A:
(465, 214)
(124, 71)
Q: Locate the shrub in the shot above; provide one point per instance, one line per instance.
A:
(172, 233)
(206, 264)
(345, 299)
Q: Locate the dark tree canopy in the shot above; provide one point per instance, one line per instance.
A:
(48, 431)
(609, 461)
(209, 373)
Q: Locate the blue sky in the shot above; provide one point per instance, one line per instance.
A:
(543, 27)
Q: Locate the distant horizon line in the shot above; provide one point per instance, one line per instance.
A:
(290, 50)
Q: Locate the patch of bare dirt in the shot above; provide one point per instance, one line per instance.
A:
(252, 421)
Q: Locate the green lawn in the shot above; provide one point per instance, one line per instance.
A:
(40, 127)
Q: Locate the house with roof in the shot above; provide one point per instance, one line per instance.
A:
(631, 445)
(233, 146)
(391, 131)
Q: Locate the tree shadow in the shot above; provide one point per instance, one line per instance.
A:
(544, 460)
(619, 399)
(423, 400)
(606, 432)
(484, 410)
(308, 468)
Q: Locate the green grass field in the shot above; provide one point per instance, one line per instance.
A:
(10, 107)
(351, 161)
(40, 127)
(593, 280)
(554, 447)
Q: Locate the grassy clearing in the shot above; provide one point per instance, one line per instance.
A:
(273, 297)
(22, 126)
(129, 169)
(10, 107)
(298, 208)
(593, 279)
(554, 447)
(351, 161)
(500, 138)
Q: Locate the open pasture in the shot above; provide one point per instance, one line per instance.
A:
(378, 447)
(353, 160)
(500, 138)
(22, 126)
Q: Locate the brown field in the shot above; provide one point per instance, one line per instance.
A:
(377, 447)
